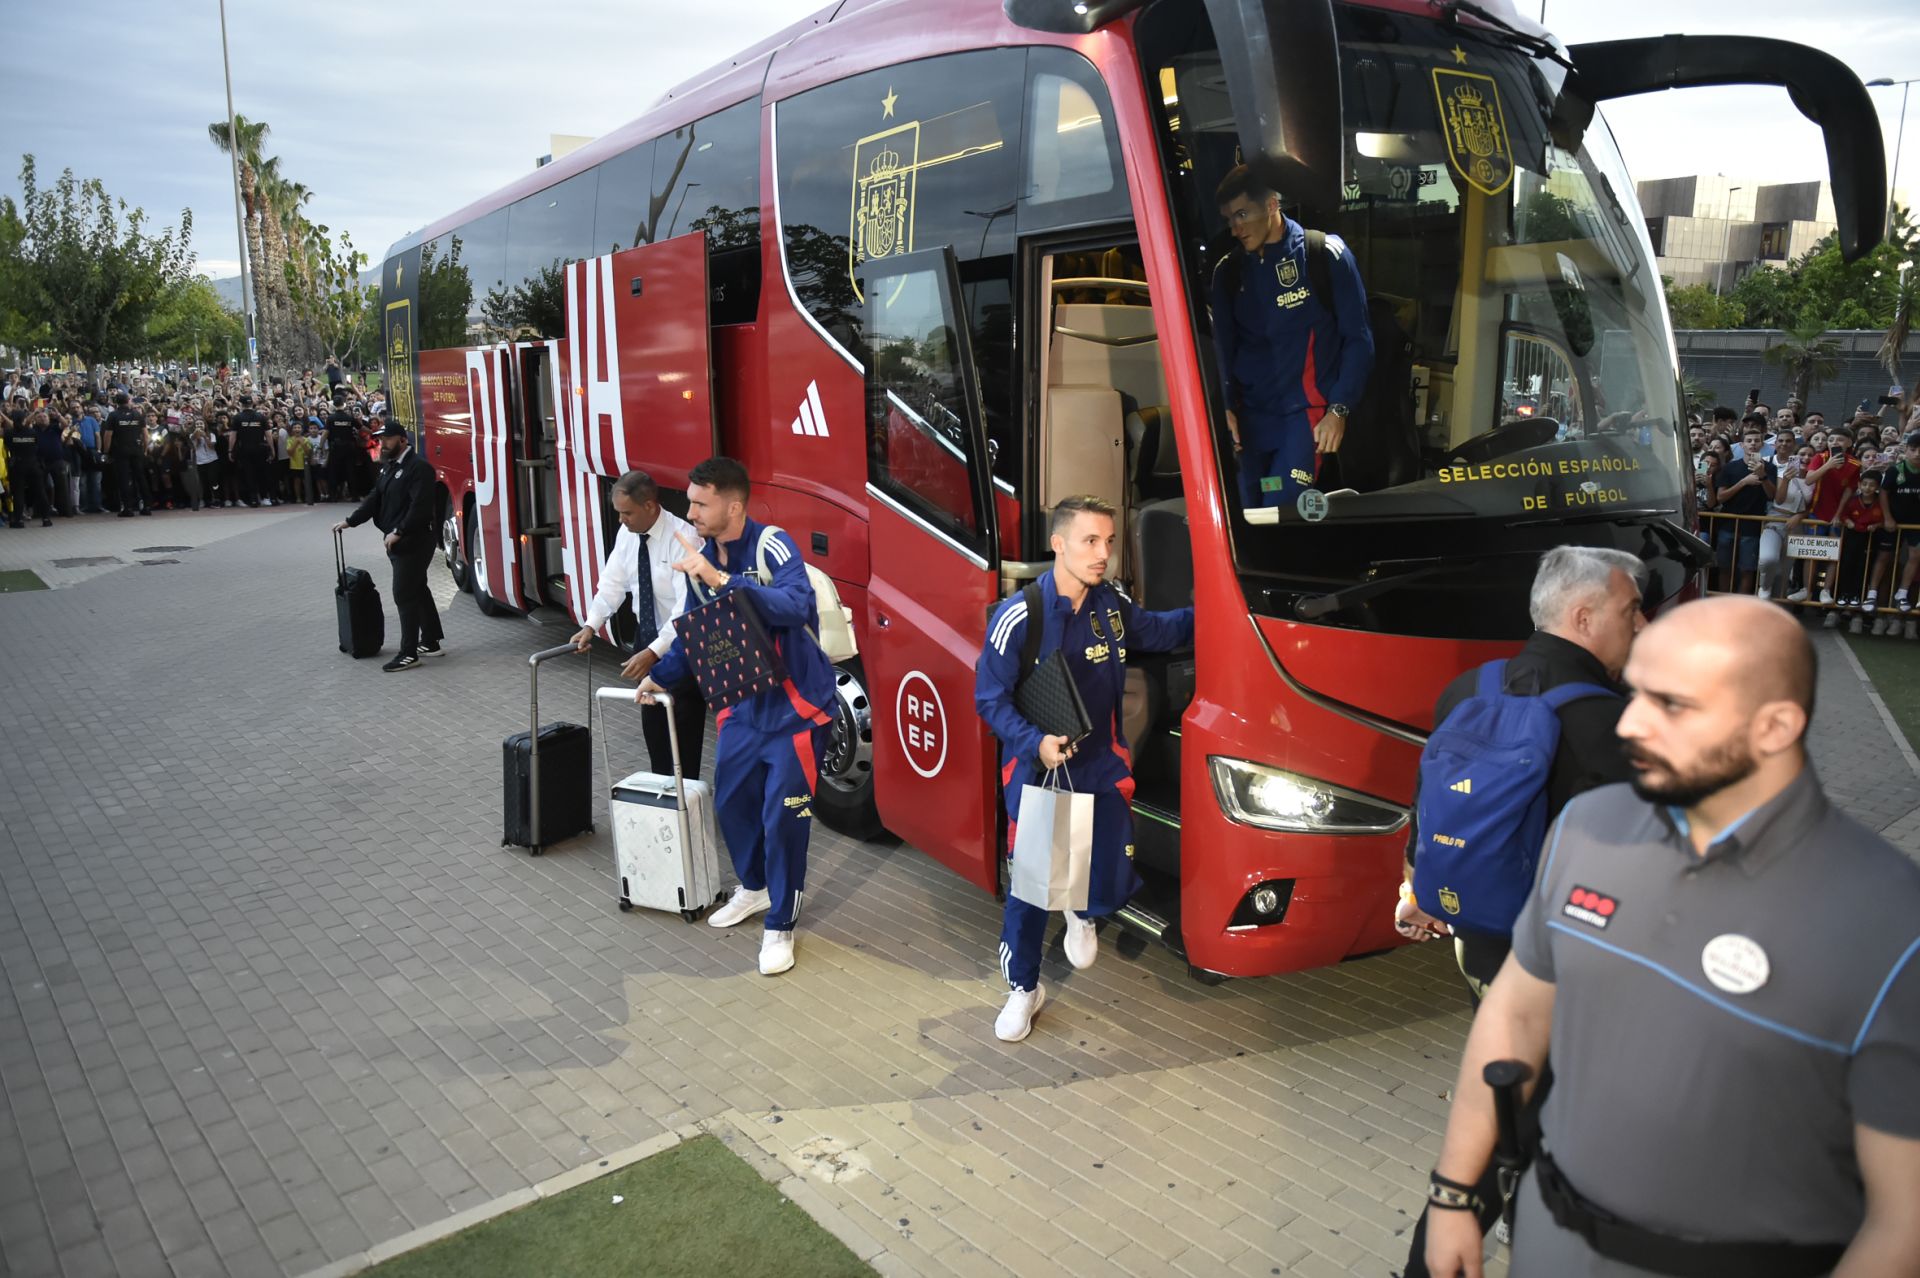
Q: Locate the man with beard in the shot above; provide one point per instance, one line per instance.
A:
(1727, 972)
(401, 506)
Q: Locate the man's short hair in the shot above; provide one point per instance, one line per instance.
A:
(121, 399)
(637, 486)
(1083, 503)
(723, 475)
(1573, 575)
(1756, 419)
(1240, 181)
(1725, 413)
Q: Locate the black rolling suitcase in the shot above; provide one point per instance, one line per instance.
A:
(363, 625)
(548, 772)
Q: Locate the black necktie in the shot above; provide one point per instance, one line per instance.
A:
(646, 625)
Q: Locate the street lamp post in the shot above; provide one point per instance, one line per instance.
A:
(1726, 238)
(1899, 138)
(239, 216)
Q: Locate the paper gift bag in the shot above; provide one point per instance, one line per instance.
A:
(1053, 845)
(728, 646)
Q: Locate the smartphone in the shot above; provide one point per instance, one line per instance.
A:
(1753, 396)
(1889, 399)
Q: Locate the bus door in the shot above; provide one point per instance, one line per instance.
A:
(935, 562)
(495, 548)
(537, 488)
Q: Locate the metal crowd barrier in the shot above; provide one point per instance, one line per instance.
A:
(1813, 556)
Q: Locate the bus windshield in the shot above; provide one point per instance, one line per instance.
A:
(1523, 379)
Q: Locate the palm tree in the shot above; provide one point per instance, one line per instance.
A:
(252, 137)
(1807, 359)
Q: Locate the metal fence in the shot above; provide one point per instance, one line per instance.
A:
(1854, 577)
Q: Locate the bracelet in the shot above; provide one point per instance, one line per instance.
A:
(1406, 891)
(1451, 1195)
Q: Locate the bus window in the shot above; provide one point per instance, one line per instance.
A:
(545, 231)
(1073, 163)
(620, 210)
(483, 256)
(920, 438)
(904, 158)
(706, 177)
(445, 292)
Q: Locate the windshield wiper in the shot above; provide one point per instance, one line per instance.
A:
(1533, 44)
(1314, 607)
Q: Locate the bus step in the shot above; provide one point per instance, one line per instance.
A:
(534, 463)
(541, 530)
(1153, 812)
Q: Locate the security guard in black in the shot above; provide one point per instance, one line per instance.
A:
(343, 437)
(123, 437)
(250, 453)
(25, 476)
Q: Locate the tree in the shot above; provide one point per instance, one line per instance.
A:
(87, 268)
(18, 329)
(323, 282)
(252, 136)
(1906, 297)
(193, 320)
(1697, 306)
(446, 295)
(1807, 359)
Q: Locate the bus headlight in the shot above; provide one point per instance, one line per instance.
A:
(1271, 799)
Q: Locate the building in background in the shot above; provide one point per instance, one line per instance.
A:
(558, 145)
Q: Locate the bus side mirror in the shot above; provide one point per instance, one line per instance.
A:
(1281, 61)
(1824, 89)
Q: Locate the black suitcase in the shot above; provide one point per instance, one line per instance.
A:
(363, 624)
(559, 804)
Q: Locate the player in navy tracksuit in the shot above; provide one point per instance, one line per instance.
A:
(767, 756)
(1290, 367)
(1094, 624)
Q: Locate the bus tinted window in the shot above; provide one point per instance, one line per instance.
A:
(446, 292)
(903, 158)
(545, 231)
(483, 255)
(1073, 164)
(620, 218)
(706, 177)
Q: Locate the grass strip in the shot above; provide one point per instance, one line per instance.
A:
(1893, 667)
(695, 1210)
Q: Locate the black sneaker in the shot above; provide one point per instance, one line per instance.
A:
(405, 661)
(432, 650)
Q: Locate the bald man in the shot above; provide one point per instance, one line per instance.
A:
(1724, 968)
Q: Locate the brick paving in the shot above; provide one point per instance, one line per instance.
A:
(271, 992)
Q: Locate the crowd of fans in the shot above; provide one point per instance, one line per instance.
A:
(137, 440)
(1764, 478)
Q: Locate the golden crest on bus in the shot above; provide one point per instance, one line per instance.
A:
(885, 173)
(1478, 145)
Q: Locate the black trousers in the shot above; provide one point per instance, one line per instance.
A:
(29, 484)
(689, 718)
(256, 481)
(340, 475)
(131, 485)
(412, 598)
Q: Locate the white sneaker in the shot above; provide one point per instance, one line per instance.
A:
(1015, 1021)
(776, 953)
(1883, 624)
(1826, 596)
(1854, 626)
(1083, 943)
(1766, 592)
(1799, 596)
(742, 905)
(1872, 603)
(1901, 601)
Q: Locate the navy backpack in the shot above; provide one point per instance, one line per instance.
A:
(1483, 801)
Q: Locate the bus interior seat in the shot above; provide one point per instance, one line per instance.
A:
(1154, 468)
(1086, 445)
(1159, 686)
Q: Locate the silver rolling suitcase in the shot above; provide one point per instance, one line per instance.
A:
(666, 851)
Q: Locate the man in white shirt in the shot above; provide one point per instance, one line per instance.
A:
(641, 568)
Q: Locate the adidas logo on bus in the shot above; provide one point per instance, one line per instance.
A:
(813, 418)
(1463, 786)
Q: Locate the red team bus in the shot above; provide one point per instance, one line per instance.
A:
(927, 268)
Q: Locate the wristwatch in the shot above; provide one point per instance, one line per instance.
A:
(725, 577)
(1341, 409)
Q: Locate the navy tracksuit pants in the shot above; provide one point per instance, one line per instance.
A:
(763, 799)
(1023, 927)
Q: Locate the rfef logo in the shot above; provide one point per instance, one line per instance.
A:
(1595, 909)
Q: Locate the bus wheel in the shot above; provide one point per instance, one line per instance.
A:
(844, 797)
(457, 566)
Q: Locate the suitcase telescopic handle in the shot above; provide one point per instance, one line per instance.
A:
(665, 700)
(533, 726)
(339, 555)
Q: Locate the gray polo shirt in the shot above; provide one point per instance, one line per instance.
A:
(1720, 1023)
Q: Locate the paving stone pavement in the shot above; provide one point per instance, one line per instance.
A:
(271, 991)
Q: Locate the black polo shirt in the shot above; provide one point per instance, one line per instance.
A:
(1721, 1022)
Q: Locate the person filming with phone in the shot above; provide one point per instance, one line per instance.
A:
(1088, 624)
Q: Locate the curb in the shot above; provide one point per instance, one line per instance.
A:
(1880, 706)
(415, 1239)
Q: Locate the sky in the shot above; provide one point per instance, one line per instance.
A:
(397, 112)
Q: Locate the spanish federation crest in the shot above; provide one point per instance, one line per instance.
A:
(1289, 271)
(1478, 144)
(885, 173)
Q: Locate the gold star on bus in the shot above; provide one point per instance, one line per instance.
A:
(397, 268)
(1459, 55)
(886, 103)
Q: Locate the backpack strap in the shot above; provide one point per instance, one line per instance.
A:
(1493, 679)
(1036, 626)
(1320, 270)
(764, 575)
(1561, 695)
